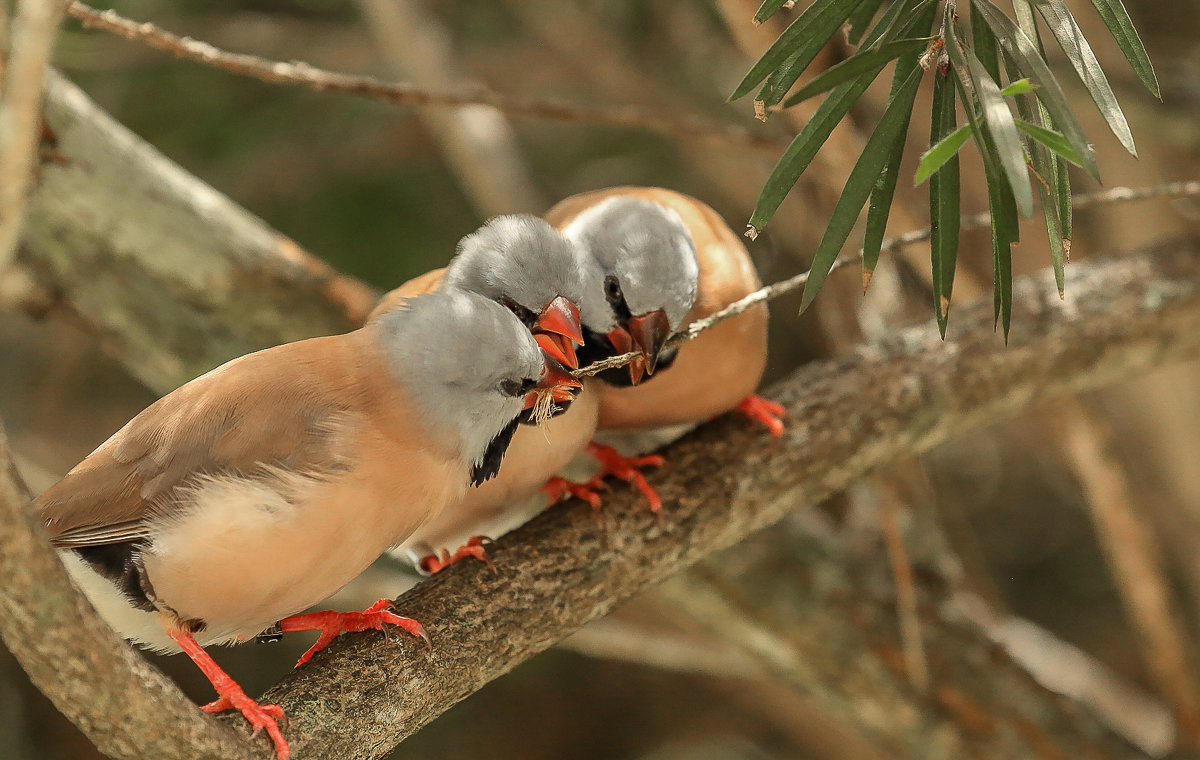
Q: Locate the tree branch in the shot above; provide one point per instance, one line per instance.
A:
(725, 481)
(172, 276)
(125, 706)
(301, 74)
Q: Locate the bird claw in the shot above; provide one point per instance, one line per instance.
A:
(474, 547)
(627, 469)
(260, 717)
(767, 412)
(557, 489)
(331, 624)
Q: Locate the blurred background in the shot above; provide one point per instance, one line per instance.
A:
(384, 192)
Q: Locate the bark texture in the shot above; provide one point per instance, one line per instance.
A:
(727, 480)
(173, 277)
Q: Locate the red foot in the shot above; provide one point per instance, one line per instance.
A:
(768, 413)
(557, 489)
(472, 548)
(625, 468)
(331, 624)
(231, 697)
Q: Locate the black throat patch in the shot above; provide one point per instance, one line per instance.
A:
(489, 465)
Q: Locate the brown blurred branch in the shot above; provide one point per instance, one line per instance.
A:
(303, 75)
(172, 277)
(125, 706)
(31, 41)
(1133, 555)
(726, 481)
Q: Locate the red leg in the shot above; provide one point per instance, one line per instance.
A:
(767, 412)
(230, 695)
(557, 489)
(331, 624)
(474, 547)
(626, 468)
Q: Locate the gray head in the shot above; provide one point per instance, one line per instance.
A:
(520, 259)
(468, 366)
(646, 251)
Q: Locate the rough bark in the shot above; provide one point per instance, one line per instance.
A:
(727, 480)
(173, 277)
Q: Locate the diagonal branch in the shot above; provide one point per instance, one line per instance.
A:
(302, 74)
(726, 481)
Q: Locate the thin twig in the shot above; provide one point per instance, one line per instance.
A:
(34, 27)
(915, 662)
(1184, 189)
(302, 74)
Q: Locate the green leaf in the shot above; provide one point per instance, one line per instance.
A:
(1066, 212)
(1019, 87)
(1028, 62)
(946, 149)
(805, 37)
(1045, 164)
(860, 19)
(1005, 232)
(880, 206)
(1051, 139)
(781, 80)
(862, 179)
(768, 9)
(1079, 52)
(1116, 18)
(943, 203)
(853, 66)
(997, 116)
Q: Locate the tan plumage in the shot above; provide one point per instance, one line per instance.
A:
(535, 455)
(721, 367)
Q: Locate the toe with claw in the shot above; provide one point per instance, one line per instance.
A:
(628, 469)
(331, 624)
(474, 547)
(557, 489)
(767, 412)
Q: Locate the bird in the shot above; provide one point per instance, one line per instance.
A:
(520, 262)
(666, 260)
(257, 490)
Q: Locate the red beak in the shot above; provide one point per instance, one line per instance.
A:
(558, 347)
(622, 343)
(560, 321)
(649, 332)
(556, 380)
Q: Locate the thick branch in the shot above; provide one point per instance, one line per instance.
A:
(173, 276)
(125, 706)
(726, 481)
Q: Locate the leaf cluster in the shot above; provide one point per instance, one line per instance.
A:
(984, 64)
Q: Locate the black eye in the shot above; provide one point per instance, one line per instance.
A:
(527, 317)
(514, 387)
(612, 289)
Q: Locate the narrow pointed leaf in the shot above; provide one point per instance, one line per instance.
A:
(1116, 18)
(880, 206)
(943, 203)
(860, 19)
(1083, 59)
(768, 9)
(853, 66)
(1051, 139)
(862, 179)
(1028, 62)
(1019, 87)
(806, 35)
(1044, 163)
(998, 118)
(946, 149)
(781, 80)
(1066, 212)
(800, 152)
(1005, 232)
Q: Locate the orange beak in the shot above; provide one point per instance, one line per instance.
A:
(561, 325)
(622, 343)
(556, 380)
(650, 332)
